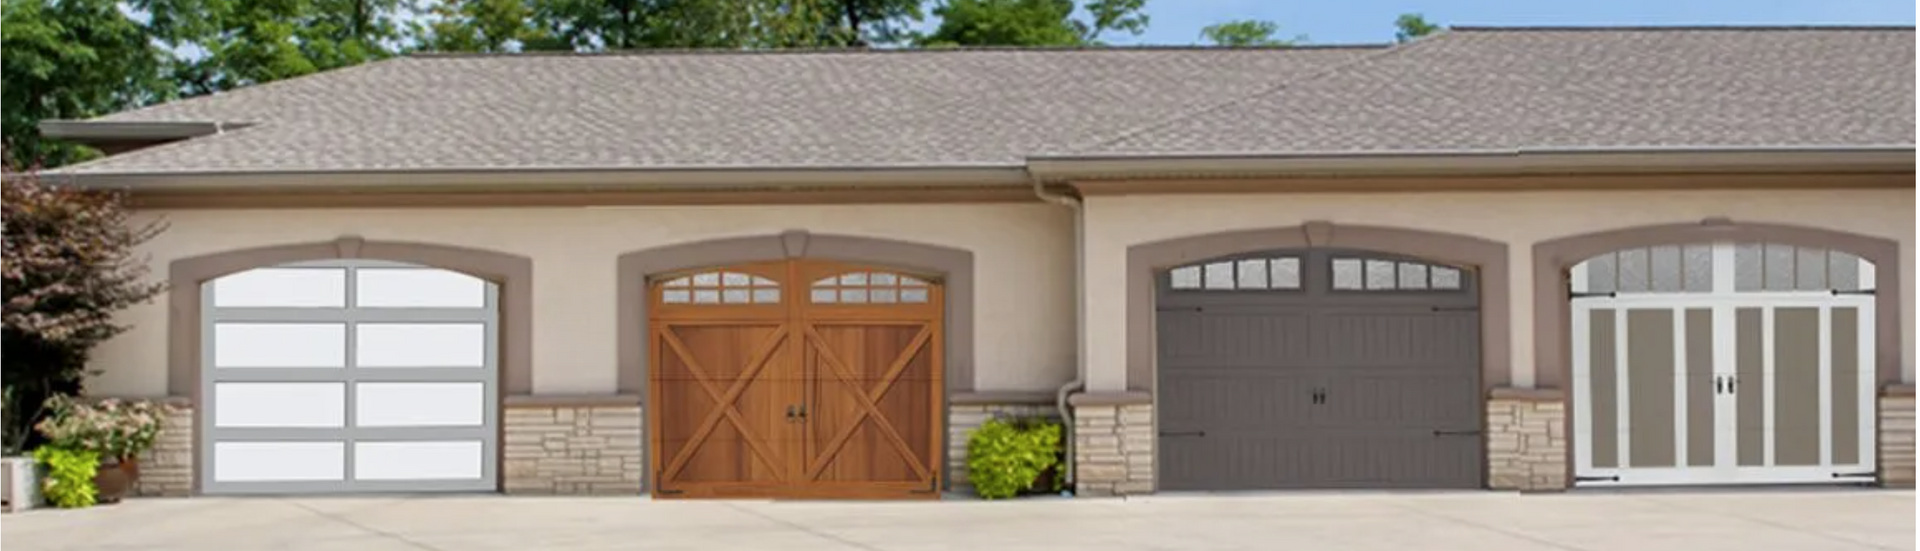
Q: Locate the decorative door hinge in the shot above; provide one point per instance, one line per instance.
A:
(1582, 294)
(1611, 478)
(1868, 474)
(1456, 433)
(1838, 292)
(667, 492)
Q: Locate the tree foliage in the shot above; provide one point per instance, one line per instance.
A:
(1032, 22)
(1246, 33)
(69, 59)
(67, 265)
(237, 43)
(1412, 25)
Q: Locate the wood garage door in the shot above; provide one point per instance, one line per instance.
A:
(348, 376)
(800, 379)
(1318, 369)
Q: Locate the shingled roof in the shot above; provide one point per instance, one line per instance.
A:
(1462, 90)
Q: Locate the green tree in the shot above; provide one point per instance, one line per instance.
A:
(1246, 33)
(244, 42)
(1031, 22)
(1412, 25)
(479, 26)
(69, 59)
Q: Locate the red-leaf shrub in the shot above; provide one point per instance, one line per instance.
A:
(67, 264)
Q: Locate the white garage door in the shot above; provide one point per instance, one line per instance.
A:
(348, 376)
(1723, 363)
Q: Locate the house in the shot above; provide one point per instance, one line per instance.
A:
(1505, 258)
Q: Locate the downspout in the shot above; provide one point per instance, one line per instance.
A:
(1080, 318)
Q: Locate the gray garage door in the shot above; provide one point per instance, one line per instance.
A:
(1318, 369)
(358, 376)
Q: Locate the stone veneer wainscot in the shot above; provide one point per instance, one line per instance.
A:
(1527, 440)
(573, 446)
(1113, 445)
(1896, 436)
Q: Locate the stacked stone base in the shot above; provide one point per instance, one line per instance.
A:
(583, 449)
(1896, 440)
(962, 419)
(1526, 442)
(1113, 449)
(167, 468)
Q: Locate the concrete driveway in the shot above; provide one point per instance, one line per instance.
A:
(1743, 520)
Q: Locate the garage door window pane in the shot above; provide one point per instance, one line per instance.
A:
(457, 460)
(278, 461)
(417, 288)
(1413, 276)
(420, 345)
(1253, 274)
(1220, 275)
(1381, 274)
(1446, 278)
(282, 288)
(263, 405)
(1346, 273)
(419, 404)
(276, 345)
(1186, 278)
(1286, 273)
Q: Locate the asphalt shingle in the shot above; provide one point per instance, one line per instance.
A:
(708, 109)
(1465, 89)
(1499, 89)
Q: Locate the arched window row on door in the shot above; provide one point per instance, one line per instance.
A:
(1284, 274)
(1251, 274)
(1753, 267)
(870, 288)
(720, 287)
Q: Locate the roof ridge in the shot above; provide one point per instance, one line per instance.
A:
(648, 52)
(1264, 92)
(1680, 28)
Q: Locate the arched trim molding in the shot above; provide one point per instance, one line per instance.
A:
(954, 265)
(1488, 260)
(513, 274)
(1553, 355)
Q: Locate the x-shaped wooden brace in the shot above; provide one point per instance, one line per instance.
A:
(723, 402)
(868, 399)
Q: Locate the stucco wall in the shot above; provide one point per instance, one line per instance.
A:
(1023, 263)
(1519, 219)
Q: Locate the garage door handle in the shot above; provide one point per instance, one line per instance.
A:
(1184, 433)
(1456, 433)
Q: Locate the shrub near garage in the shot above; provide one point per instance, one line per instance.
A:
(1008, 457)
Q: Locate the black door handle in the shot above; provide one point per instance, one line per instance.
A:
(1719, 385)
(789, 413)
(803, 413)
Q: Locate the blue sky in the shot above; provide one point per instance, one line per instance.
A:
(1349, 21)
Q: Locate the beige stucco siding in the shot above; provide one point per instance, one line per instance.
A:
(1023, 264)
(1519, 219)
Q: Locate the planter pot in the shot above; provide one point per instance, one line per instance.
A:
(115, 479)
(19, 484)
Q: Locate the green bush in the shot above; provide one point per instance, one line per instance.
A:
(1004, 457)
(69, 483)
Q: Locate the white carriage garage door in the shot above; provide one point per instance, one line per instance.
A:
(1723, 363)
(348, 376)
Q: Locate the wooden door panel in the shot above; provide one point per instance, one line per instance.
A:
(871, 391)
(721, 394)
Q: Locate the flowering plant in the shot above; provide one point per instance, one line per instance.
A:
(110, 427)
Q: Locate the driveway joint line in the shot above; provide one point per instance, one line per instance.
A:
(803, 528)
(369, 529)
(1488, 527)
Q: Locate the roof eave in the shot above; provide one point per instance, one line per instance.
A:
(1479, 161)
(107, 132)
(554, 178)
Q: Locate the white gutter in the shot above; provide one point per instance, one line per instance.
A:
(1482, 161)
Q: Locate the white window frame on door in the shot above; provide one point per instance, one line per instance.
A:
(1723, 301)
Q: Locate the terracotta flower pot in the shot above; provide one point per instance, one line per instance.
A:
(115, 478)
